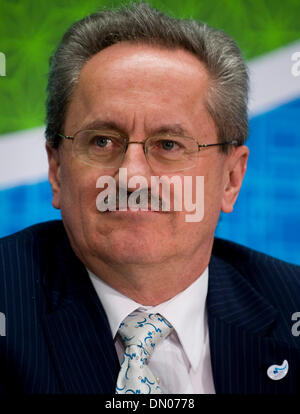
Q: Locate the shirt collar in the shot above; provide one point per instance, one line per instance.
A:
(190, 325)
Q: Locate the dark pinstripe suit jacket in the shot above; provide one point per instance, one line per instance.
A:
(58, 338)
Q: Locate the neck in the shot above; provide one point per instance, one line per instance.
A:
(150, 284)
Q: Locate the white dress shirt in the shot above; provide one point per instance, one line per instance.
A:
(182, 361)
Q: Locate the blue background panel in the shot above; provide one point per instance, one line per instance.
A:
(25, 205)
(267, 213)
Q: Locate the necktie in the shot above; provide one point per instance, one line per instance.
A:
(140, 333)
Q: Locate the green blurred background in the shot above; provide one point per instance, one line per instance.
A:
(31, 29)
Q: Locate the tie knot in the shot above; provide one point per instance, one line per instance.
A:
(144, 330)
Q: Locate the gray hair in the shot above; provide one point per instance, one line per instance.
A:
(138, 22)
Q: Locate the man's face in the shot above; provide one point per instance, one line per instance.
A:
(140, 90)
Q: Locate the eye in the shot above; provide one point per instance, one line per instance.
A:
(168, 145)
(102, 141)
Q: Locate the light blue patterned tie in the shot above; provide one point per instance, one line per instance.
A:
(140, 333)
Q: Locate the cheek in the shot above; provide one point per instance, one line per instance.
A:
(213, 172)
(213, 185)
(78, 189)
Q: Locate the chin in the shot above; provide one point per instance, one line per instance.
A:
(125, 247)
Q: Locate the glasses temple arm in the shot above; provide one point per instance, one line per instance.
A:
(234, 142)
(65, 136)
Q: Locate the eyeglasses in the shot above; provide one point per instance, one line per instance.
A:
(164, 152)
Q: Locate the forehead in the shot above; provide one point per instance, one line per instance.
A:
(137, 78)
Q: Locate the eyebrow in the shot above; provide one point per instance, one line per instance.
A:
(101, 124)
(175, 129)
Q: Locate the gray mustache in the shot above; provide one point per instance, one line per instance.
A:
(141, 197)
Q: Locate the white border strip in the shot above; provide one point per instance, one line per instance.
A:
(271, 80)
(23, 158)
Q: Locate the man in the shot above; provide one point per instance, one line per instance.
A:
(136, 91)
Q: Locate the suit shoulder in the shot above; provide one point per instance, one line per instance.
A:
(47, 230)
(20, 253)
(262, 270)
(240, 255)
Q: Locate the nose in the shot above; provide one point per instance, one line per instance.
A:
(135, 161)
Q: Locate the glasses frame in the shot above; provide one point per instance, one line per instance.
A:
(127, 142)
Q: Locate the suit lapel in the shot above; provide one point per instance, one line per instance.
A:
(76, 327)
(241, 323)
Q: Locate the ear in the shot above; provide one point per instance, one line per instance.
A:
(54, 173)
(236, 166)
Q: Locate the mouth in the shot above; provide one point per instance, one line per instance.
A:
(134, 212)
(142, 204)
